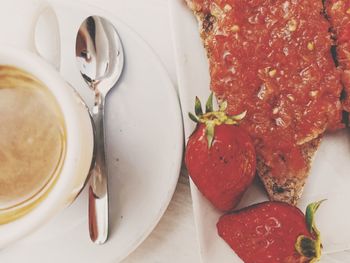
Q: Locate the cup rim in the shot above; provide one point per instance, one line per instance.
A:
(66, 97)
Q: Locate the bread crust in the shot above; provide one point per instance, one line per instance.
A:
(287, 190)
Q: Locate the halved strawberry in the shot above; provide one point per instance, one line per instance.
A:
(220, 156)
(272, 232)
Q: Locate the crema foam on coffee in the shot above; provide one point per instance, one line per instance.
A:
(32, 139)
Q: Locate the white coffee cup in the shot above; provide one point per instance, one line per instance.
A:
(79, 146)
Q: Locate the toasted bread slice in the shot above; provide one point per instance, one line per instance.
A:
(259, 62)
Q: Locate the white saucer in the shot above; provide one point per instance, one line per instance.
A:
(144, 149)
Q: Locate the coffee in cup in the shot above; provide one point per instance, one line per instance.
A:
(32, 142)
(46, 143)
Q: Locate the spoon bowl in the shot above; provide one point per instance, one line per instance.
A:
(99, 53)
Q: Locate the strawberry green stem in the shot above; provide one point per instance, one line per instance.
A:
(209, 105)
(213, 118)
(310, 247)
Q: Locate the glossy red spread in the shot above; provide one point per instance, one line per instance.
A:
(338, 12)
(272, 58)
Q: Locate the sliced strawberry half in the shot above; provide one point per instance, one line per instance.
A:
(272, 232)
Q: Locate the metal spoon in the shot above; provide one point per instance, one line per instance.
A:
(100, 58)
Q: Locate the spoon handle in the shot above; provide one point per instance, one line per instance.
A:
(98, 190)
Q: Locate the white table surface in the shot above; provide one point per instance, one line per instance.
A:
(174, 239)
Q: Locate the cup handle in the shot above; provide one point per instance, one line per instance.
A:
(46, 24)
